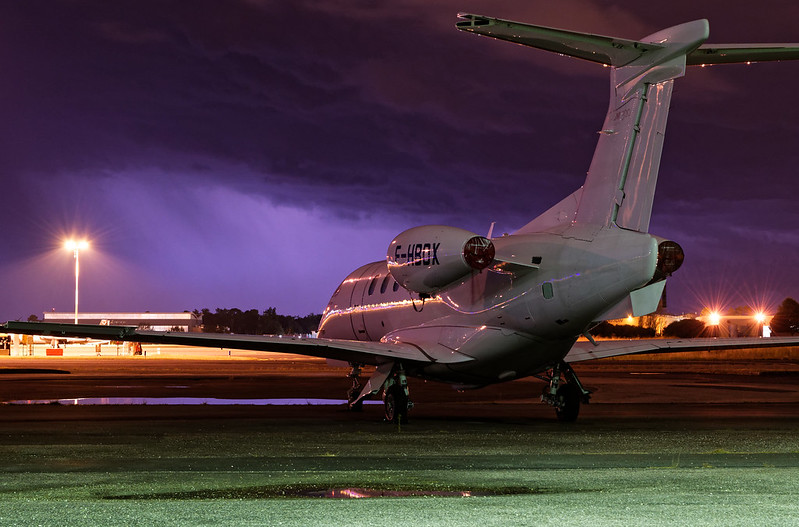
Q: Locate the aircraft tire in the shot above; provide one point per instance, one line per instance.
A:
(569, 393)
(396, 405)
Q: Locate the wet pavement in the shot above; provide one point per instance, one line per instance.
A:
(678, 443)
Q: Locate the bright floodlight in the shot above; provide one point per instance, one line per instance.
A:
(760, 317)
(76, 245)
(714, 319)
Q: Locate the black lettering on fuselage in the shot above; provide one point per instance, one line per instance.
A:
(418, 254)
(426, 254)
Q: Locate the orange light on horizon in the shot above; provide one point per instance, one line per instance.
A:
(714, 318)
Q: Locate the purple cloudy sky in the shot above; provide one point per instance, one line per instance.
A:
(251, 153)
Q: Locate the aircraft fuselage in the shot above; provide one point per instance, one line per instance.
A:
(533, 314)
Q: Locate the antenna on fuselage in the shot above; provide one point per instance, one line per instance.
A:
(422, 297)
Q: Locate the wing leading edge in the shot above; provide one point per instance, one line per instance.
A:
(374, 353)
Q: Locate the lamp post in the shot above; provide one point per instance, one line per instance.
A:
(75, 247)
(760, 318)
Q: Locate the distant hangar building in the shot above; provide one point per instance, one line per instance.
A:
(185, 321)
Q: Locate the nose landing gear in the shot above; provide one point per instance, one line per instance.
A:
(354, 402)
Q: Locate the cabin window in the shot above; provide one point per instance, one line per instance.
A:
(384, 285)
(372, 285)
(395, 287)
(547, 290)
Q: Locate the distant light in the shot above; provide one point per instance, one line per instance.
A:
(714, 318)
(74, 245)
(760, 317)
(629, 319)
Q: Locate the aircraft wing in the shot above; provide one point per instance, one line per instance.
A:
(708, 54)
(373, 353)
(610, 348)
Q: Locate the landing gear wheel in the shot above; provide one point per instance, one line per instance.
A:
(395, 404)
(568, 396)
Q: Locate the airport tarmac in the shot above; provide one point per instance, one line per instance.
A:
(665, 443)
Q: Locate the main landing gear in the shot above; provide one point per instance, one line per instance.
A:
(396, 402)
(394, 383)
(565, 393)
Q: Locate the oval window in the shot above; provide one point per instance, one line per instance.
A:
(546, 289)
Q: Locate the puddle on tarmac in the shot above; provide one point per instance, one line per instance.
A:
(301, 491)
(188, 401)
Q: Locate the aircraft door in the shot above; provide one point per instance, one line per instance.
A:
(357, 300)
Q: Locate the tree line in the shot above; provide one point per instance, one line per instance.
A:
(253, 322)
(786, 319)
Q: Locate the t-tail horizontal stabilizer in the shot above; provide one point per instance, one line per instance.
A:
(620, 185)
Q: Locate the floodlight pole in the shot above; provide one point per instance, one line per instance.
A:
(77, 274)
(76, 246)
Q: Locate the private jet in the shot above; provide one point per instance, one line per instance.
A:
(451, 305)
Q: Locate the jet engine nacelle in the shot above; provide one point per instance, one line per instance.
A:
(428, 259)
(670, 258)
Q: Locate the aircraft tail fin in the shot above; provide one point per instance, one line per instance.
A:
(620, 185)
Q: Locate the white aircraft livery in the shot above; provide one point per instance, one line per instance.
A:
(451, 305)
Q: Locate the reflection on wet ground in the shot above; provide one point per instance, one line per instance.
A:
(188, 401)
(316, 491)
